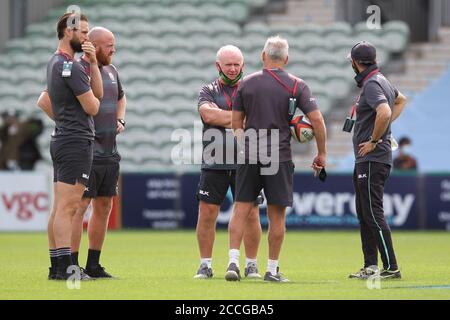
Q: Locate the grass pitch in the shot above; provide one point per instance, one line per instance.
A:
(161, 265)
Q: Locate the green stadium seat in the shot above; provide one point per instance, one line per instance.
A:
(221, 26)
(361, 27)
(44, 29)
(257, 4)
(252, 43)
(397, 26)
(286, 31)
(396, 33)
(338, 86)
(10, 102)
(338, 29)
(259, 29)
(375, 38)
(237, 11)
(6, 77)
(382, 56)
(301, 57)
(17, 46)
(309, 29)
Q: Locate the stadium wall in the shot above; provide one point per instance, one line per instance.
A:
(424, 17)
(15, 15)
(4, 23)
(36, 10)
(446, 13)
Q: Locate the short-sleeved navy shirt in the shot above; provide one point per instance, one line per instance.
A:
(376, 90)
(218, 93)
(71, 121)
(265, 103)
(105, 147)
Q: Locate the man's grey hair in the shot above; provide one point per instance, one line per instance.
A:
(276, 48)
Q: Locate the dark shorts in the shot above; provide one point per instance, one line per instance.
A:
(72, 160)
(103, 181)
(278, 188)
(214, 184)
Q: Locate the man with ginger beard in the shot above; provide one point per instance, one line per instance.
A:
(103, 181)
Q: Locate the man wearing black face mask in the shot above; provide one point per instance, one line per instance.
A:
(378, 105)
(219, 171)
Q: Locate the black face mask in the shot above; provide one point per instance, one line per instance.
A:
(355, 68)
(361, 75)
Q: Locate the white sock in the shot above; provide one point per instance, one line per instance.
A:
(233, 255)
(248, 261)
(207, 261)
(272, 266)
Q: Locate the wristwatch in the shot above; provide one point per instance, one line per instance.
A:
(121, 121)
(373, 141)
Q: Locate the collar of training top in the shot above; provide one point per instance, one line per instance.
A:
(361, 77)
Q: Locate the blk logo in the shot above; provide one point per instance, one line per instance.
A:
(204, 193)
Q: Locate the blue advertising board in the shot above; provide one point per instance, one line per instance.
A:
(331, 205)
(437, 194)
(151, 201)
(169, 201)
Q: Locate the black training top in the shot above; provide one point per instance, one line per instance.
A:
(106, 119)
(71, 122)
(376, 89)
(264, 98)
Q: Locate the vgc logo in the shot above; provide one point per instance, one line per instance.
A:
(24, 204)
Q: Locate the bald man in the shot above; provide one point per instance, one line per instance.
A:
(103, 179)
(219, 169)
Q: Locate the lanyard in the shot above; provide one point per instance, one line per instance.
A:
(65, 55)
(359, 97)
(227, 97)
(291, 91)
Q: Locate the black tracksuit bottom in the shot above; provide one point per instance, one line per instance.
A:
(369, 179)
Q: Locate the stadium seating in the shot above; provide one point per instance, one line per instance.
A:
(166, 50)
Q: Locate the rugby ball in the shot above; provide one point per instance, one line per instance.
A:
(301, 129)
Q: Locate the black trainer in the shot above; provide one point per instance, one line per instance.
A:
(52, 273)
(233, 273)
(84, 276)
(275, 278)
(97, 272)
(251, 271)
(390, 274)
(204, 272)
(81, 274)
(365, 273)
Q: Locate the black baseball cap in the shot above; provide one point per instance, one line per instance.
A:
(363, 52)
